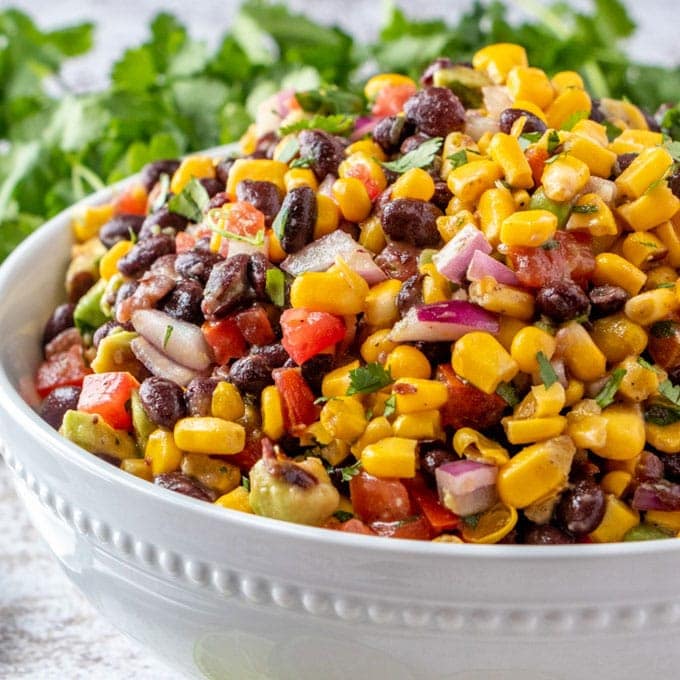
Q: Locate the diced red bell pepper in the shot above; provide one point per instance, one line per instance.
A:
(467, 405)
(297, 399)
(133, 201)
(64, 369)
(536, 157)
(416, 528)
(306, 333)
(184, 242)
(391, 99)
(255, 326)
(425, 499)
(225, 338)
(108, 395)
(376, 499)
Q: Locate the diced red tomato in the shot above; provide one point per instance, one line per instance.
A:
(379, 500)
(467, 405)
(416, 528)
(255, 326)
(571, 258)
(225, 338)
(536, 157)
(425, 499)
(297, 398)
(243, 219)
(184, 242)
(362, 172)
(64, 369)
(391, 99)
(306, 333)
(245, 459)
(133, 201)
(108, 394)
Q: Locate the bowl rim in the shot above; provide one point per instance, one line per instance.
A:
(27, 419)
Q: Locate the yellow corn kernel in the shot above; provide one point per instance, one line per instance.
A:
(481, 360)
(454, 142)
(638, 383)
(328, 292)
(248, 141)
(468, 182)
(475, 446)
(382, 80)
(565, 80)
(316, 433)
(615, 270)
(527, 343)
(421, 425)
(344, 418)
(593, 131)
(655, 206)
(506, 151)
(521, 198)
(642, 247)
(509, 327)
(108, 265)
(272, 413)
(668, 234)
(542, 402)
(598, 220)
(352, 198)
(573, 391)
(566, 104)
(635, 141)
(582, 356)
(418, 394)
(162, 452)
(527, 82)
(376, 347)
(528, 430)
(647, 167)
(651, 306)
(528, 228)
(669, 519)
(661, 276)
(449, 225)
(139, 467)
(406, 361)
(335, 451)
(86, 225)
(625, 432)
(618, 337)
(616, 482)
(435, 289)
(300, 177)
(666, 438)
(494, 206)
(372, 236)
(414, 183)
(337, 382)
(259, 169)
(599, 160)
(276, 252)
(535, 472)
(209, 435)
(618, 519)
(564, 178)
(227, 402)
(501, 298)
(492, 526)
(390, 457)
(327, 216)
(499, 59)
(236, 500)
(587, 431)
(376, 402)
(629, 465)
(377, 429)
(367, 146)
(381, 304)
(455, 205)
(212, 472)
(199, 167)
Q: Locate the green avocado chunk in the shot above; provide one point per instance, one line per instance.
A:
(539, 201)
(92, 433)
(141, 423)
(464, 82)
(88, 314)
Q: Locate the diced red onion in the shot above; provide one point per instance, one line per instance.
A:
(181, 341)
(230, 247)
(467, 487)
(477, 125)
(159, 364)
(604, 188)
(363, 126)
(443, 321)
(454, 258)
(361, 261)
(657, 496)
(482, 264)
(326, 186)
(496, 99)
(283, 99)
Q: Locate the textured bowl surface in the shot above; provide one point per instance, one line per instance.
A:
(225, 595)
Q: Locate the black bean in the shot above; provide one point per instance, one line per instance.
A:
(432, 458)
(274, 356)
(436, 352)
(313, 370)
(162, 220)
(198, 396)
(442, 194)
(596, 112)
(265, 145)
(427, 79)
(196, 265)
(218, 200)
(674, 182)
(389, 133)
(623, 160)
(300, 217)
(412, 142)
(671, 466)
(257, 274)
(581, 507)
(410, 294)
(184, 302)
(79, 284)
(181, 483)
(144, 254)
(562, 301)
(227, 287)
(125, 291)
(546, 535)
(532, 123)
(412, 221)
(165, 265)
(60, 319)
(398, 260)
(652, 122)
(436, 111)
(222, 169)
(57, 402)
(163, 401)
(326, 151)
(607, 299)
(120, 228)
(152, 172)
(107, 328)
(212, 185)
(649, 468)
(250, 374)
(261, 194)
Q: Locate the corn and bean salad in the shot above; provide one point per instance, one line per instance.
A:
(450, 312)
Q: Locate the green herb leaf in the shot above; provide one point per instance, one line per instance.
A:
(369, 378)
(343, 515)
(458, 158)
(275, 286)
(585, 209)
(612, 130)
(390, 406)
(551, 244)
(553, 141)
(508, 393)
(662, 413)
(645, 364)
(665, 284)
(673, 148)
(670, 391)
(663, 329)
(350, 471)
(545, 370)
(605, 396)
(329, 100)
(302, 162)
(168, 334)
(245, 482)
(337, 124)
(191, 201)
(421, 157)
(573, 119)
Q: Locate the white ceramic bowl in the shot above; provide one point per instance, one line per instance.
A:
(229, 595)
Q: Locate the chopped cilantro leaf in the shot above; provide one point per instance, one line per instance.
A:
(420, 157)
(245, 482)
(585, 209)
(507, 392)
(302, 162)
(350, 471)
(369, 378)
(343, 515)
(573, 119)
(666, 284)
(168, 333)
(337, 124)
(545, 370)
(390, 406)
(670, 391)
(191, 201)
(605, 396)
(553, 141)
(458, 158)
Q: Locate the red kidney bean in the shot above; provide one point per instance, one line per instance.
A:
(442, 194)
(674, 182)
(412, 221)
(301, 212)
(607, 299)
(162, 221)
(412, 142)
(184, 302)
(326, 151)
(165, 264)
(546, 535)
(60, 319)
(152, 172)
(144, 254)
(390, 132)
(398, 260)
(222, 169)
(436, 352)
(623, 160)
(120, 228)
(436, 111)
(63, 342)
(581, 507)
(152, 287)
(532, 123)
(196, 265)
(57, 402)
(163, 401)
(596, 113)
(218, 200)
(227, 288)
(212, 185)
(198, 396)
(274, 356)
(410, 294)
(257, 274)
(562, 301)
(181, 483)
(261, 194)
(265, 145)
